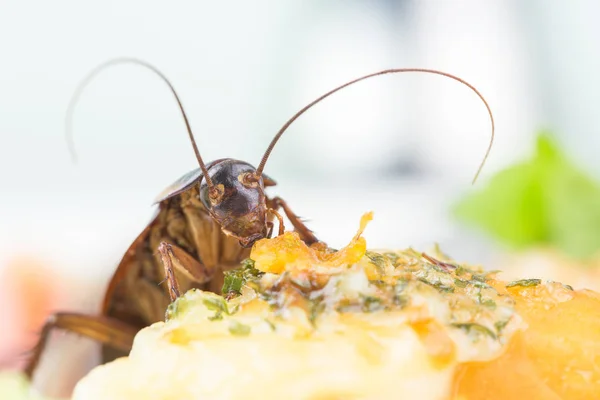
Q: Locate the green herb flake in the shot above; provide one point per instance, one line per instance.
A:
(401, 298)
(524, 283)
(236, 278)
(489, 303)
(475, 328)
(181, 305)
(238, 329)
(460, 283)
(171, 312)
(217, 304)
(232, 283)
(443, 288)
(371, 303)
(393, 257)
(377, 259)
(499, 325)
(271, 324)
(480, 285)
(248, 263)
(316, 307)
(218, 316)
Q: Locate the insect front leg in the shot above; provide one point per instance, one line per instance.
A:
(305, 234)
(270, 224)
(105, 330)
(174, 257)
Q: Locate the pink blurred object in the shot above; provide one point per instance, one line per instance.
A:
(29, 291)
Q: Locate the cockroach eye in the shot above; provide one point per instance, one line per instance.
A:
(215, 194)
(248, 179)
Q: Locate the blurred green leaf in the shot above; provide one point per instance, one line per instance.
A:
(543, 201)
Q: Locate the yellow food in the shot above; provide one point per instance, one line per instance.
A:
(301, 322)
(556, 357)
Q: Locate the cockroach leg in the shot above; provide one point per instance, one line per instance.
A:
(305, 234)
(166, 255)
(185, 263)
(174, 257)
(270, 226)
(106, 330)
(279, 218)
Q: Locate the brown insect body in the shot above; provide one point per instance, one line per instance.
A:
(184, 221)
(206, 223)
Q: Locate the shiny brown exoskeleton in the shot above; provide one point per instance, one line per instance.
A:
(206, 223)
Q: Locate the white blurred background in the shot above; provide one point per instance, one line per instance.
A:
(405, 146)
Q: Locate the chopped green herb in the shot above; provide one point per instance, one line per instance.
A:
(171, 312)
(524, 283)
(460, 283)
(232, 283)
(217, 316)
(217, 304)
(481, 285)
(371, 303)
(377, 259)
(316, 307)
(499, 325)
(393, 257)
(401, 298)
(181, 305)
(236, 278)
(438, 284)
(271, 324)
(489, 303)
(248, 263)
(239, 329)
(443, 288)
(473, 327)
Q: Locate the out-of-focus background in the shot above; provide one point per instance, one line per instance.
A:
(405, 146)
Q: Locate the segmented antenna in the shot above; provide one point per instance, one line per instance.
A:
(127, 60)
(265, 157)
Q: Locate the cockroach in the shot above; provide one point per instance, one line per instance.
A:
(206, 223)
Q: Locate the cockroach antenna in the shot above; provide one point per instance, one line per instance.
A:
(265, 157)
(126, 60)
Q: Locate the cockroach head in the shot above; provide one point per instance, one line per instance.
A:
(236, 200)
